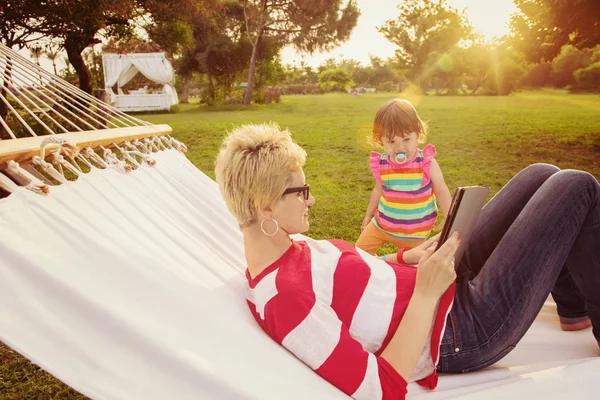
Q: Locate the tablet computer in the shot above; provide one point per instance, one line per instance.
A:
(462, 216)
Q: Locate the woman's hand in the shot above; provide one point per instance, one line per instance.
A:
(436, 270)
(413, 255)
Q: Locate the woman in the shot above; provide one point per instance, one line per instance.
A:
(369, 326)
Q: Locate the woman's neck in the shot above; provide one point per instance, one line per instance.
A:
(262, 250)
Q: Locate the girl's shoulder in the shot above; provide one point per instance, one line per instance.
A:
(428, 152)
(374, 164)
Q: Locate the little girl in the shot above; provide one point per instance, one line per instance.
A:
(408, 180)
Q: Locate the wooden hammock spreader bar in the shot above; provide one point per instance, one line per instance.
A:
(22, 150)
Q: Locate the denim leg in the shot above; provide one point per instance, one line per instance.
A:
(570, 303)
(495, 219)
(493, 309)
(500, 212)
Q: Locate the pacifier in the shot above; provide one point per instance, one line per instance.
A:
(400, 158)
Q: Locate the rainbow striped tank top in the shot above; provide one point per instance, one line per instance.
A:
(407, 208)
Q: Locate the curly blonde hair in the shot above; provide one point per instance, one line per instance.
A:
(254, 166)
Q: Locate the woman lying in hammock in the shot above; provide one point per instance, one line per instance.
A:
(369, 326)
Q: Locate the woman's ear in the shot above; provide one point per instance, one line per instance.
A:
(264, 211)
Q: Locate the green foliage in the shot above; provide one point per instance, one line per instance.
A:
(506, 74)
(567, 62)
(538, 75)
(377, 72)
(335, 80)
(221, 52)
(589, 78)
(423, 27)
(172, 36)
(476, 69)
(308, 25)
(272, 95)
(388, 86)
(300, 89)
(76, 23)
(542, 27)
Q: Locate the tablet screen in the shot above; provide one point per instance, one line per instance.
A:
(462, 216)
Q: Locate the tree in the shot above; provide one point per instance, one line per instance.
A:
(445, 71)
(538, 75)
(335, 80)
(308, 25)
(221, 50)
(18, 22)
(589, 78)
(423, 27)
(478, 66)
(36, 52)
(51, 51)
(542, 27)
(78, 23)
(569, 60)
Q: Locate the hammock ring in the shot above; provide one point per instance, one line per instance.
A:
(262, 228)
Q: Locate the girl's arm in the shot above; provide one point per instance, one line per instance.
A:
(442, 193)
(373, 202)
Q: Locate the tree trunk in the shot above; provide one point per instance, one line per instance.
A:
(251, 72)
(211, 86)
(185, 92)
(74, 47)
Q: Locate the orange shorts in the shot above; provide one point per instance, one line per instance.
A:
(372, 238)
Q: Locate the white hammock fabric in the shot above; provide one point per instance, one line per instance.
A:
(131, 286)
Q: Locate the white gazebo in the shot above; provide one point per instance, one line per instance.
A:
(121, 68)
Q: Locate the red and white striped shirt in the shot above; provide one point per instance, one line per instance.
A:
(336, 308)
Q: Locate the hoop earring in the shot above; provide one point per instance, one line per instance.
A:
(262, 228)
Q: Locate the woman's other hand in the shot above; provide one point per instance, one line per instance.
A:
(436, 269)
(413, 255)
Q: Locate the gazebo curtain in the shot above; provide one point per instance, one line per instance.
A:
(121, 68)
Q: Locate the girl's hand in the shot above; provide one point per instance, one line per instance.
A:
(413, 255)
(365, 223)
(436, 270)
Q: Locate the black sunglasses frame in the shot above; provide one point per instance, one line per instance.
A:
(305, 189)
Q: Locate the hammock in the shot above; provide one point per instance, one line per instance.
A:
(127, 282)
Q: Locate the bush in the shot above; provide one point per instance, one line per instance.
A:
(505, 80)
(335, 80)
(299, 89)
(233, 100)
(567, 62)
(272, 94)
(538, 76)
(258, 96)
(588, 78)
(386, 87)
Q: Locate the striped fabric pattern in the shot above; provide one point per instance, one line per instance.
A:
(407, 208)
(336, 308)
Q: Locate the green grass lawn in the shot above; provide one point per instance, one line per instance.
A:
(480, 141)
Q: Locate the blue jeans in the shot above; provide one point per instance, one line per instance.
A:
(539, 234)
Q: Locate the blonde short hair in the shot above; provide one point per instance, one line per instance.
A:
(254, 166)
(398, 117)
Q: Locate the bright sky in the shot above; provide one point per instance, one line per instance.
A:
(489, 17)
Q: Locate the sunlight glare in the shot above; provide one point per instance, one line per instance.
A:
(489, 17)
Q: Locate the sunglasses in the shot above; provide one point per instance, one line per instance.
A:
(304, 189)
